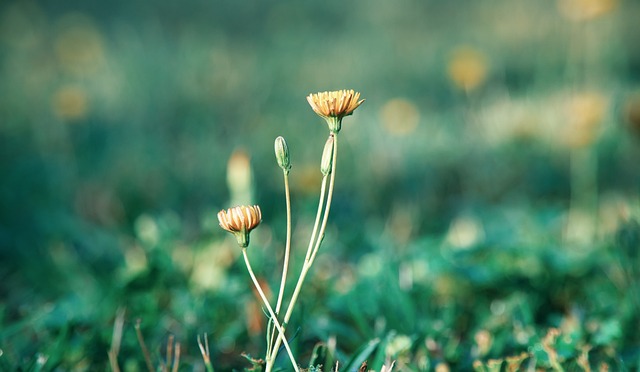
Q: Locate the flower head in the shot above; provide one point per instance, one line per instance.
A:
(240, 221)
(333, 106)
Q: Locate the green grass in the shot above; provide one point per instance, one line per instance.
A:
(467, 225)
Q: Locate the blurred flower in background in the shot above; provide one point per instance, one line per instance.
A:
(584, 114)
(240, 178)
(78, 45)
(583, 10)
(467, 68)
(399, 116)
(70, 103)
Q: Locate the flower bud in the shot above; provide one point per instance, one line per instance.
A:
(327, 156)
(282, 154)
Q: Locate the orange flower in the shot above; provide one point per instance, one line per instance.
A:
(240, 221)
(333, 106)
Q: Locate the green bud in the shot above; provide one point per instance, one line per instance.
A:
(327, 156)
(282, 154)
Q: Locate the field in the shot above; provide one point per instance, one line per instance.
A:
(485, 212)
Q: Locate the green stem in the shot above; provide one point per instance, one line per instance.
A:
(323, 190)
(287, 248)
(271, 313)
(329, 199)
(143, 346)
(204, 350)
(311, 254)
(285, 265)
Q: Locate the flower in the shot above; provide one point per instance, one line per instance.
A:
(240, 221)
(333, 106)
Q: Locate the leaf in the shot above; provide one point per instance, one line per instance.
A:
(318, 356)
(361, 356)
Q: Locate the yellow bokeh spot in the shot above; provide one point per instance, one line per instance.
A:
(585, 113)
(583, 10)
(465, 232)
(240, 177)
(467, 68)
(209, 265)
(70, 103)
(399, 116)
(78, 44)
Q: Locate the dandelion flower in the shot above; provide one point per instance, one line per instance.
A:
(333, 106)
(240, 221)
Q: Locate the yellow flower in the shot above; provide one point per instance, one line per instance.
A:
(240, 221)
(333, 106)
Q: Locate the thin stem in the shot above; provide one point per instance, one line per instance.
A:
(169, 350)
(323, 189)
(285, 266)
(311, 255)
(329, 199)
(287, 248)
(116, 339)
(176, 358)
(268, 306)
(204, 350)
(271, 333)
(143, 346)
(113, 361)
(272, 352)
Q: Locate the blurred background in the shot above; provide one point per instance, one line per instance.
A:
(486, 190)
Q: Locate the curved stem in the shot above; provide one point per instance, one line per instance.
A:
(271, 313)
(311, 254)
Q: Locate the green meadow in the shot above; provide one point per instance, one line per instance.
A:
(484, 202)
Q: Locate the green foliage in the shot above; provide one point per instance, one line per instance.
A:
(474, 226)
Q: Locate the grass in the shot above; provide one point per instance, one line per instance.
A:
(486, 218)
